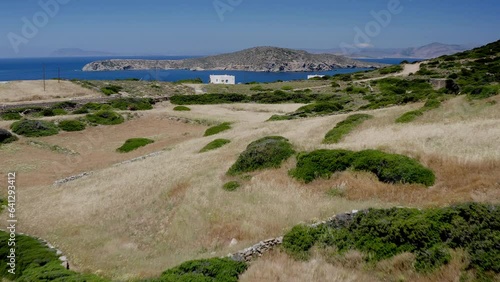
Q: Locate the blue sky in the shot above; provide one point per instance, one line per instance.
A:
(196, 27)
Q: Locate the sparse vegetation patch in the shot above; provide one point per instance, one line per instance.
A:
(134, 144)
(34, 128)
(182, 109)
(231, 186)
(218, 129)
(345, 127)
(72, 125)
(215, 145)
(105, 117)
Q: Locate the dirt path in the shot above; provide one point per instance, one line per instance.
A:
(408, 69)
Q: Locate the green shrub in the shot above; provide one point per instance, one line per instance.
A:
(218, 129)
(321, 163)
(65, 105)
(231, 186)
(208, 99)
(205, 270)
(431, 104)
(105, 117)
(72, 125)
(111, 89)
(393, 168)
(345, 127)
(10, 116)
(257, 88)
(6, 137)
(298, 241)
(267, 152)
(132, 104)
(390, 168)
(49, 112)
(391, 69)
(34, 128)
(182, 109)
(409, 116)
(321, 108)
(429, 234)
(280, 117)
(133, 144)
(215, 145)
(287, 88)
(36, 262)
(191, 81)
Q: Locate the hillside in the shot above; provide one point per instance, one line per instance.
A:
(418, 161)
(428, 51)
(270, 59)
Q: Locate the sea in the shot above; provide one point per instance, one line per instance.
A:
(71, 68)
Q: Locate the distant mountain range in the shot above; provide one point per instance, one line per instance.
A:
(265, 59)
(428, 51)
(77, 52)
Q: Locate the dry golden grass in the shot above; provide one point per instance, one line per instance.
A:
(139, 219)
(277, 266)
(22, 91)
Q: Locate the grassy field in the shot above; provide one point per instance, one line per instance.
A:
(173, 208)
(136, 219)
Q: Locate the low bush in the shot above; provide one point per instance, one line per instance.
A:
(298, 241)
(36, 262)
(134, 144)
(280, 117)
(389, 168)
(409, 116)
(87, 108)
(267, 152)
(72, 125)
(111, 89)
(231, 186)
(217, 129)
(53, 112)
(34, 128)
(321, 164)
(132, 104)
(182, 109)
(321, 108)
(191, 81)
(205, 270)
(10, 116)
(215, 145)
(345, 127)
(65, 105)
(391, 69)
(105, 117)
(429, 234)
(393, 168)
(208, 99)
(6, 137)
(287, 88)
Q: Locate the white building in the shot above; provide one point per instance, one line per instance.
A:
(222, 79)
(314, 76)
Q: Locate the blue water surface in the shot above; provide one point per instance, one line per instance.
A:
(71, 68)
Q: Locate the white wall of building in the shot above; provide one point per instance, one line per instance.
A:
(313, 76)
(222, 79)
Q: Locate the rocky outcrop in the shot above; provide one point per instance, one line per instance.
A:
(260, 59)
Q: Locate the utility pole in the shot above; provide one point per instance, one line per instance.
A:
(43, 77)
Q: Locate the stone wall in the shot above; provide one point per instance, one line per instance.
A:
(257, 250)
